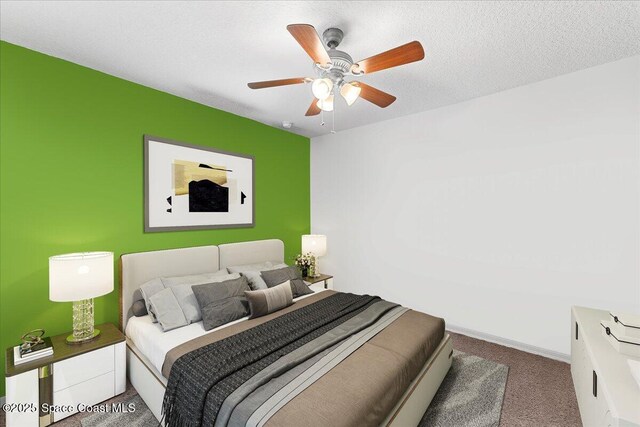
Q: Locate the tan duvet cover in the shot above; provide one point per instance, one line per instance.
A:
(362, 389)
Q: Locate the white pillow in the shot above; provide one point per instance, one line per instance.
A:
(250, 267)
(198, 279)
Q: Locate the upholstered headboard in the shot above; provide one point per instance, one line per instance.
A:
(138, 268)
(251, 252)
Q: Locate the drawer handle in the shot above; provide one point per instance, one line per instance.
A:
(595, 384)
(576, 330)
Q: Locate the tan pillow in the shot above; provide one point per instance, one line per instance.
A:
(265, 301)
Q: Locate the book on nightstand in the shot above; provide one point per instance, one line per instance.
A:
(44, 349)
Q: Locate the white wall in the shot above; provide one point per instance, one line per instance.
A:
(498, 213)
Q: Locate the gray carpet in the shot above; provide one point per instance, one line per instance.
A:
(138, 415)
(471, 394)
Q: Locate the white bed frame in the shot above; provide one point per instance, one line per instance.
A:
(138, 268)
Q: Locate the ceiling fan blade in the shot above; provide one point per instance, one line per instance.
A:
(281, 82)
(375, 96)
(400, 55)
(308, 38)
(313, 110)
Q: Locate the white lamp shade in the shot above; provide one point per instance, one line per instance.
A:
(314, 243)
(74, 277)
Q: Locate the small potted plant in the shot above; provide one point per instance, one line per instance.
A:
(306, 263)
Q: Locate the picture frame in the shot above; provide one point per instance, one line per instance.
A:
(194, 187)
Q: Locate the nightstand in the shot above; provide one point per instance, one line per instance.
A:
(75, 375)
(323, 281)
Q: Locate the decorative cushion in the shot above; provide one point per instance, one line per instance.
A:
(255, 280)
(181, 286)
(222, 302)
(139, 308)
(252, 272)
(267, 301)
(184, 294)
(275, 277)
(147, 290)
(187, 302)
(167, 310)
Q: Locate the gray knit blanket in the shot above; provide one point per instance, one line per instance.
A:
(201, 380)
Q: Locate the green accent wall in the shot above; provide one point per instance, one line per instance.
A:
(71, 178)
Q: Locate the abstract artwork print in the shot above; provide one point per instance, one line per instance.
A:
(196, 187)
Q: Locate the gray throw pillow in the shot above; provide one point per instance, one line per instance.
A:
(181, 286)
(167, 310)
(252, 272)
(267, 301)
(275, 277)
(187, 302)
(184, 294)
(139, 308)
(222, 302)
(148, 290)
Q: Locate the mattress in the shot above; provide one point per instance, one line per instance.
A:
(154, 343)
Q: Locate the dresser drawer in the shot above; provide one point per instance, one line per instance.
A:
(81, 368)
(88, 393)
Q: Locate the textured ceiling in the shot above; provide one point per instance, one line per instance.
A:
(208, 51)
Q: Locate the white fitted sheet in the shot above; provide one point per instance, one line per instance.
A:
(153, 343)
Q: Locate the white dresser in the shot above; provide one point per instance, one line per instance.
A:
(75, 376)
(607, 393)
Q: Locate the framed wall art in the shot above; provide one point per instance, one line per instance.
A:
(191, 187)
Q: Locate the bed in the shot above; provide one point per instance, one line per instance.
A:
(389, 378)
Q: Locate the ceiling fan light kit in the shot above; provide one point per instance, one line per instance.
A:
(350, 93)
(321, 88)
(333, 65)
(325, 104)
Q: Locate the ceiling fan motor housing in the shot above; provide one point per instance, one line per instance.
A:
(341, 62)
(332, 37)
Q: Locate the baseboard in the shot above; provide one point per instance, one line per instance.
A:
(510, 343)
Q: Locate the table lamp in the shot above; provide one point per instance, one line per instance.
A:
(80, 277)
(316, 244)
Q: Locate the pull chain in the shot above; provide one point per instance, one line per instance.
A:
(333, 117)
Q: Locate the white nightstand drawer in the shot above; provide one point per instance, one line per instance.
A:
(90, 392)
(81, 368)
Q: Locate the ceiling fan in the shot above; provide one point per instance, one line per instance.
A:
(333, 66)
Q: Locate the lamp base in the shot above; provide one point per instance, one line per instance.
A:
(72, 340)
(83, 329)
